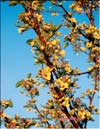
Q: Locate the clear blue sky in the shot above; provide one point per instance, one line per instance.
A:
(17, 60)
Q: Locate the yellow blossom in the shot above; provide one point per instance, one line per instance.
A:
(32, 43)
(42, 85)
(35, 110)
(82, 113)
(37, 124)
(39, 17)
(66, 102)
(90, 68)
(44, 120)
(2, 115)
(59, 33)
(42, 47)
(62, 53)
(76, 7)
(92, 28)
(98, 112)
(87, 31)
(50, 45)
(33, 100)
(73, 40)
(54, 42)
(56, 50)
(28, 109)
(71, 6)
(54, 14)
(72, 20)
(83, 49)
(72, 112)
(96, 35)
(35, 4)
(14, 121)
(63, 84)
(88, 114)
(67, 68)
(36, 61)
(46, 74)
(21, 29)
(88, 44)
(99, 3)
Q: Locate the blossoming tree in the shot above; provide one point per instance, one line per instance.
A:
(62, 109)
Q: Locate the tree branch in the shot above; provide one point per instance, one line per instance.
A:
(78, 74)
(87, 12)
(74, 24)
(95, 79)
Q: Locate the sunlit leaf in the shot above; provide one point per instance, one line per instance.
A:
(28, 75)
(10, 103)
(29, 41)
(13, 2)
(19, 83)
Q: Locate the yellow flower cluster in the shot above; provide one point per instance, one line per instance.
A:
(62, 53)
(36, 61)
(63, 82)
(89, 44)
(83, 49)
(90, 68)
(73, 20)
(6, 102)
(67, 68)
(82, 113)
(59, 33)
(28, 83)
(37, 125)
(54, 14)
(99, 3)
(93, 30)
(45, 73)
(98, 112)
(64, 101)
(73, 111)
(35, 4)
(2, 115)
(53, 42)
(76, 7)
(21, 29)
(89, 91)
(39, 17)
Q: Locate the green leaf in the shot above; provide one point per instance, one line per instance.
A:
(10, 103)
(18, 83)
(37, 93)
(13, 2)
(29, 75)
(53, 30)
(66, 44)
(56, 27)
(29, 41)
(48, 107)
(33, 123)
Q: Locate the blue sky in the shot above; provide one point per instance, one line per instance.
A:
(17, 60)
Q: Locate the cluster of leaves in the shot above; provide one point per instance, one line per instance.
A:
(62, 110)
